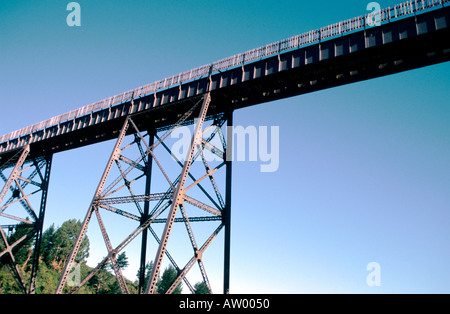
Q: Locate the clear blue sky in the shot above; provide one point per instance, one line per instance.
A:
(364, 169)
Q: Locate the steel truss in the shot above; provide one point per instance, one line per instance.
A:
(28, 179)
(187, 197)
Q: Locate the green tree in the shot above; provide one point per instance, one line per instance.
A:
(7, 283)
(121, 260)
(201, 288)
(47, 279)
(55, 248)
(57, 245)
(47, 251)
(168, 277)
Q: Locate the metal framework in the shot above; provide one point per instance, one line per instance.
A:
(188, 191)
(28, 178)
(193, 190)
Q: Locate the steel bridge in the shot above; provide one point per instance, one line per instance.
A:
(410, 35)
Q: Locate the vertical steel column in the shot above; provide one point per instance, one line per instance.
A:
(40, 222)
(145, 217)
(226, 213)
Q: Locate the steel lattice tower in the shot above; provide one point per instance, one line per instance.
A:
(171, 206)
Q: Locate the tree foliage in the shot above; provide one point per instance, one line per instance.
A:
(201, 288)
(56, 246)
(168, 277)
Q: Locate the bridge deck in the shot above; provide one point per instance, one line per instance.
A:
(409, 37)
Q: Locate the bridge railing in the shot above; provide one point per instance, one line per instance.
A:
(344, 27)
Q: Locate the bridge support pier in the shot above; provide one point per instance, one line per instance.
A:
(226, 214)
(186, 198)
(29, 177)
